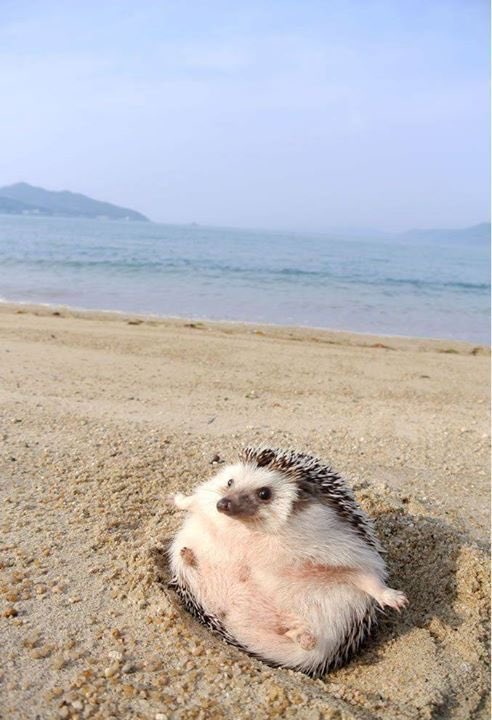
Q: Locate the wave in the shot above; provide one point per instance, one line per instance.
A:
(210, 269)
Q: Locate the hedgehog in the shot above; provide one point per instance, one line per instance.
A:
(276, 556)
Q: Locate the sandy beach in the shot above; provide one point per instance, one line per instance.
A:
(103, 416)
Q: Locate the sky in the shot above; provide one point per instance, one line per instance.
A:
(337, 114)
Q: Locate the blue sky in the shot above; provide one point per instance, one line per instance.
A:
(276, 114)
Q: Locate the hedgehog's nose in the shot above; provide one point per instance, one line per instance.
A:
(224, 505)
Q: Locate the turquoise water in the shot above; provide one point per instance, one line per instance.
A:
(386, 286)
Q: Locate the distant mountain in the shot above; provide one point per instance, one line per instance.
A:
(25, 199)
(477, 234)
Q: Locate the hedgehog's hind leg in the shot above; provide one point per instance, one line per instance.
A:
(296, 630)
(303, 637)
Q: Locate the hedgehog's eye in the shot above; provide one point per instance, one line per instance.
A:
(230, 483)
(264, 493)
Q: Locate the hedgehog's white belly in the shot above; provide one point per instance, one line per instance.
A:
(256, 608)
(260, 620)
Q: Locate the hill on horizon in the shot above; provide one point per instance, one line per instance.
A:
(24, 199)
(475, 234)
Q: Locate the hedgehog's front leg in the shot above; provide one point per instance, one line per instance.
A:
(367, 582)
(383, 595)
(183, 502)
(188, 557)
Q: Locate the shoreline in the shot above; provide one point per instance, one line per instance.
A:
(343, 336)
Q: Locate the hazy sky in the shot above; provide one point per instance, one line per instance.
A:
(278, 114)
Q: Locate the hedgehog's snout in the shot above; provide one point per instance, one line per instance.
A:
(242, 505)
(224, 505)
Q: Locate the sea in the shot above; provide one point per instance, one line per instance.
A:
(383, 285)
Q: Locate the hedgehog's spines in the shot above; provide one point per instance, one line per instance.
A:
(198, 612)
(315, 479)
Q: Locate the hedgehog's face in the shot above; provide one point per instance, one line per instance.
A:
(252, 495)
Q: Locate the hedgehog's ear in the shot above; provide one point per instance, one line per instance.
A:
(265, 457)
(259, 456)
(307, 490)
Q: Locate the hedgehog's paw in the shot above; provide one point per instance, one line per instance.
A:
(307, 640)
(392, 598)
(188, 557)
(182, 502)
(301, 635)
(304, 638)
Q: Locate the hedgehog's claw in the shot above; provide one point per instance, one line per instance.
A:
(393, 598)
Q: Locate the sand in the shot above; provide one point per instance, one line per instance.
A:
(103, 416)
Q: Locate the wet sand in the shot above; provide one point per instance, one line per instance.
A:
(103, 416)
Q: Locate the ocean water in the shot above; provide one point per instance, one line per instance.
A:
(387, 286)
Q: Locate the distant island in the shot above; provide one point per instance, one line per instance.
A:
(24, 199)
(479, 234)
